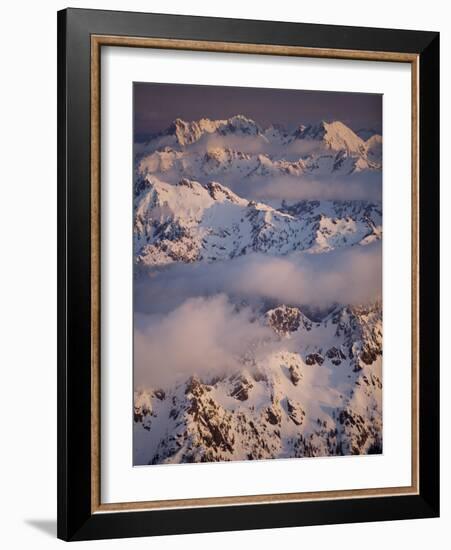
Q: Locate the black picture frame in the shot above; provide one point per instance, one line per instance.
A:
(76, 520)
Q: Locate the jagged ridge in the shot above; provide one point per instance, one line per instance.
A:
(193, 222)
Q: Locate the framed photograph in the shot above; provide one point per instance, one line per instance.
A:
(248, 274)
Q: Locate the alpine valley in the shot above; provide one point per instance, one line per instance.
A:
(257, 292)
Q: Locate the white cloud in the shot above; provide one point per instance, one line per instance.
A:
(348, 276)
(359, 186)
(201, 336)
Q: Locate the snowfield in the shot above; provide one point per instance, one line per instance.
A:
(256, 359)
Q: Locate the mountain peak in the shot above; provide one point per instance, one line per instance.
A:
(242, 120)
(311, 131)
(334, 135)
(239, 124)
(188, 132)
(285, 320)
(217, 191)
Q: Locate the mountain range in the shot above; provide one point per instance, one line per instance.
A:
(204, 194)
(192, 222)
(236, 149)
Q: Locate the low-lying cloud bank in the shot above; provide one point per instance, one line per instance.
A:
(367, 186)
(349, 276)
(201, 336)
(201, 318)
(256, 145)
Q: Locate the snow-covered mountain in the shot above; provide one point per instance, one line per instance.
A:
(321, 396)
(238, 149)
(335, 135)
(313, 385)
(192, 222)
(182, 133)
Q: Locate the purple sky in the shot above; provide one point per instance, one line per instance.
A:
(157, 105)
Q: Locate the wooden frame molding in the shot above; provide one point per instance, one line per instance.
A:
(97, 41)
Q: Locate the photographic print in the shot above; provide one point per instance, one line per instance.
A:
(257, 262)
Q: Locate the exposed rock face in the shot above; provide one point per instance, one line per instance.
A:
(241, 388)
(361, 328)
(284, 319)
(314, 359)
(295, 375)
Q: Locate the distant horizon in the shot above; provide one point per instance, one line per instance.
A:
(157, 105)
